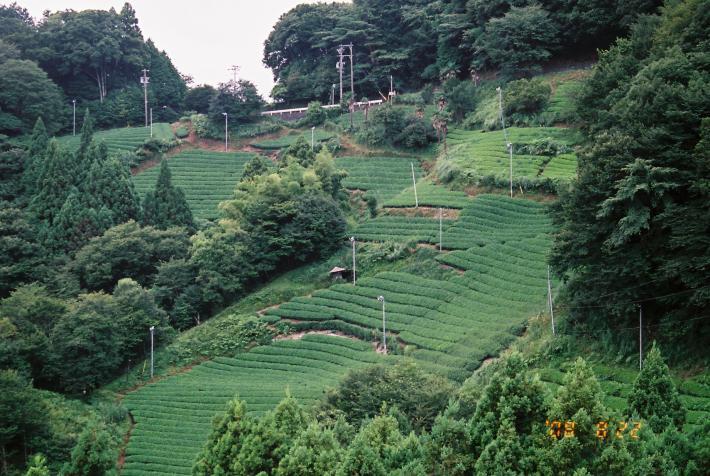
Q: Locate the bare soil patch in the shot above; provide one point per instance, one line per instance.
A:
(429, 212)
(299, 335)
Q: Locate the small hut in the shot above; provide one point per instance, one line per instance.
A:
(338, 273)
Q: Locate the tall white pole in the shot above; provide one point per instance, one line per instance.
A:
(226, 132)
(640, 337)
(352, 240)
(352, 76)
(151, 122)
(152, 329)
(549, 299)
(441, 228)
(313, 135)
(145, 80)
(74, 119)
(340, 70)
(414, 181)
(508, 145)
(384, 331)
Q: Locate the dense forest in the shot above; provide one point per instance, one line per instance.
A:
(97, 279)
(420, 41)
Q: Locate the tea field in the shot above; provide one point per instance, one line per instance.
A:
(383, 177)
(173, 416)
(401, 229)
(429, 195)
(497, 218)
(484, 153)
(205, 177)
(126, 139)
(450, 324)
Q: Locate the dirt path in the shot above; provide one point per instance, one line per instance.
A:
(429, 212)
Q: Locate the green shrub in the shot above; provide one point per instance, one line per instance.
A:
(417, 133)
(372, 136)
(544, 146)
(182, 132)
(526, 96)
(315, 115)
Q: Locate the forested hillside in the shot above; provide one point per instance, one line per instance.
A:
(503, 268)
(420, 41)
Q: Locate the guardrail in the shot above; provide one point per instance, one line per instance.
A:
(298, 110)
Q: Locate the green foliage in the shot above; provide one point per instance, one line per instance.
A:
(420, 396)
(127, 250)
(643, 169)
(227, 337)
(315, 115)
(198, 98)
(240, 100)
(23, 420)
(92, 454)
(526, 96)
(100, 332)
(295, 139)
(22, 258)
(38, 466)
(182, 132)
(165, 206)
(654, 396)
(26, 94)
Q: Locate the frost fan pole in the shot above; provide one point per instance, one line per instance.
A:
(505, 134)
(414, 181)
(144, 80)
(384, 335)
(352, 240)
(440, 231)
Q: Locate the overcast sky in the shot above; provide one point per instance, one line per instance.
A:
(202, 37)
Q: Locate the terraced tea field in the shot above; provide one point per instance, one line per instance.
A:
(616, 382)
(320, 135)
(452, 324)
(126, 139)
(497, 218)
(429, 195)
(383, 177)
(205, 177)
(173, 416)
(481, 153)
(401, 229)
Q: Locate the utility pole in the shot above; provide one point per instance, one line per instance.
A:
(508, 145)
(640, 337)
(313, 135)
(441, 231)
(332, 95)
(234, 70)
(226, 132)
(341, 55)
(74, 120)
(414, 181)
(144, 81)
(340, 70)
(152, 330)
(352, 239)
(384, 334)
(549, 299)
(151, 122)
(352, 74)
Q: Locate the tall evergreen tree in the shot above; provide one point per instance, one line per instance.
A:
(76, 223)
(56, 179)
(92, 455)
(109, 185)
(36, 153)
(166, 205)
(654, 396)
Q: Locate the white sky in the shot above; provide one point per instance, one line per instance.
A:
(202, 37)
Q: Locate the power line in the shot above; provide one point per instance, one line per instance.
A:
(638, 301)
